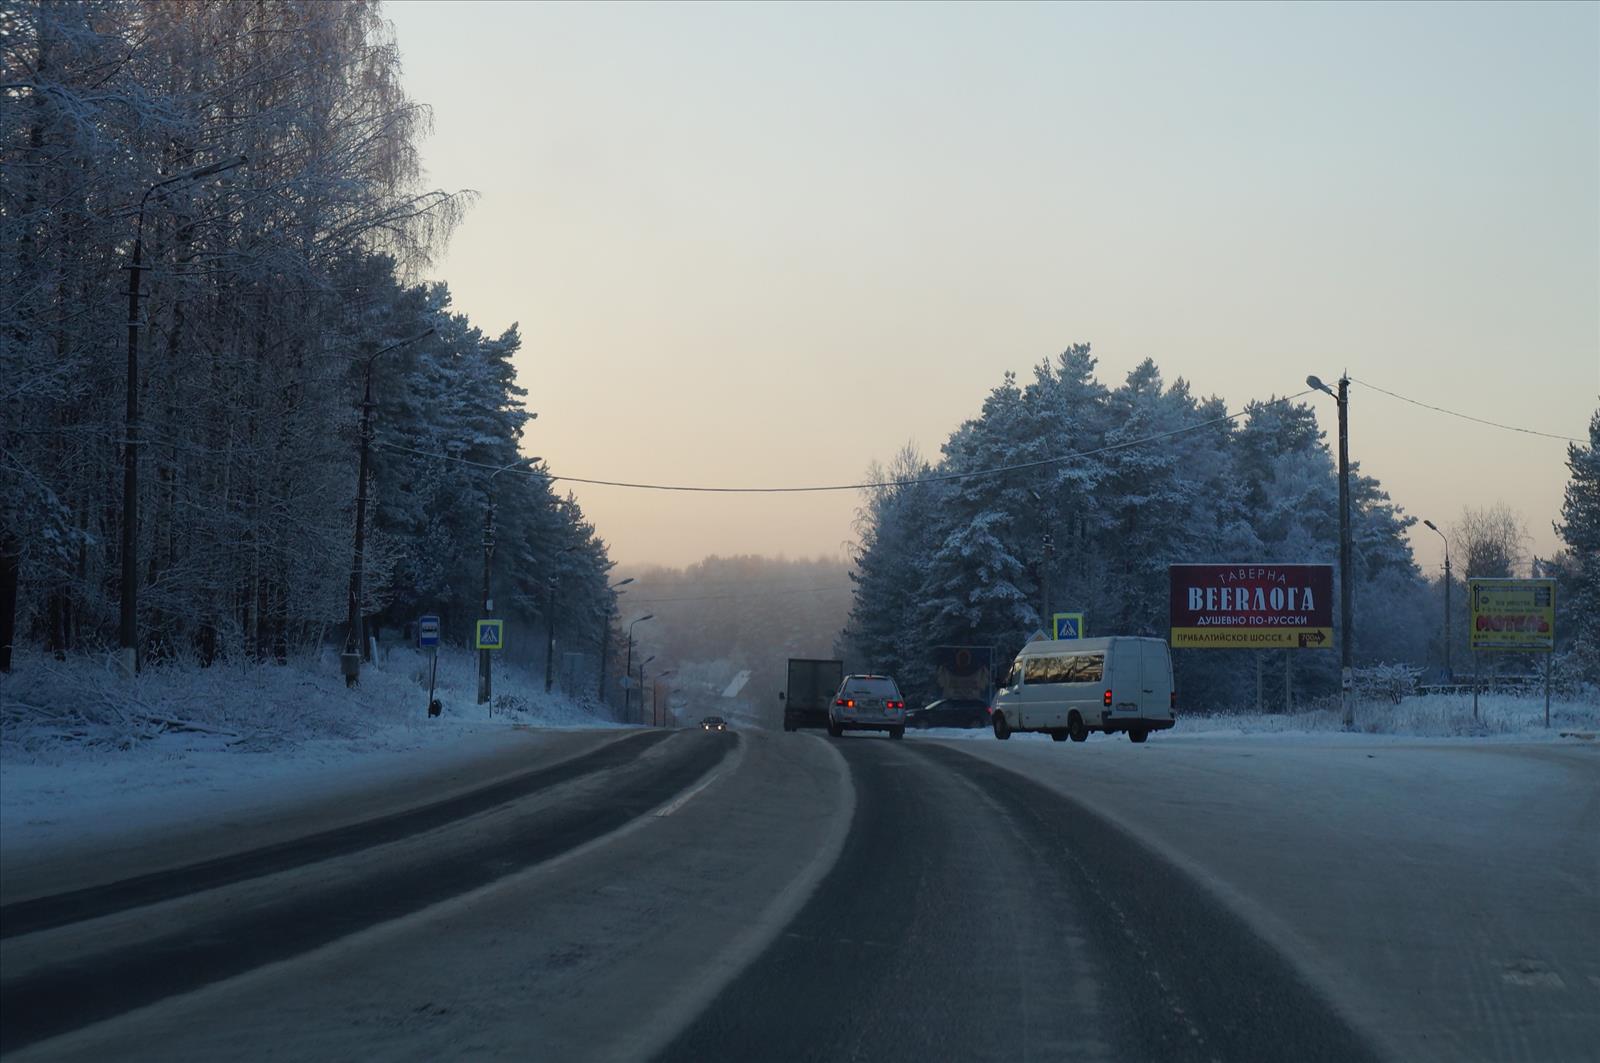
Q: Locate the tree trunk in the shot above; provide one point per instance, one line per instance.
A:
(10, 570)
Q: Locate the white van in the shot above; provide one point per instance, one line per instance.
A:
(1069, 687)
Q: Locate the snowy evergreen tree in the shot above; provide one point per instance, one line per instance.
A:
(1124, 483)
(1579, 529)
(897, 525)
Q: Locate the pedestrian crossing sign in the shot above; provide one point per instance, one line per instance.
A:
(1067, 625)
(491, 635)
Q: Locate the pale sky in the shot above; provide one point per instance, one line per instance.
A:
(767, 244)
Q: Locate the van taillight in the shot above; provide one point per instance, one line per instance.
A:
(1172, 702)
(1108, 698)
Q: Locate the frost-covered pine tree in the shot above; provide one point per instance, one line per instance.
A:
(1579, 529)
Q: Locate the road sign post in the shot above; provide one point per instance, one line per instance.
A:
(488, 635)
(428, 639)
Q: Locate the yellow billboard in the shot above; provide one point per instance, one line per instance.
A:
(1513, 614)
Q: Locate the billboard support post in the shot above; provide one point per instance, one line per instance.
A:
(1547, 692)
(1288, 682)
(1518, 615)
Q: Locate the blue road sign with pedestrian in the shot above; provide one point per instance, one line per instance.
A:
(491, 635)
(1068, 625)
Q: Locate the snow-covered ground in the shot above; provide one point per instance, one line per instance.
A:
(85, 753)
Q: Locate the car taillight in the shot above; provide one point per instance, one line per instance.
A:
(838, 701)
(1172, 700)
(1108, 697)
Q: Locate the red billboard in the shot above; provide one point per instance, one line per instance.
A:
(1251, 606)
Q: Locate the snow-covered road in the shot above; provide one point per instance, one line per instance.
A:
(1445, 893)
(1302, 896)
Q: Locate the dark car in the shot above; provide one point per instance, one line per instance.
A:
(950, 712)
(713, 723)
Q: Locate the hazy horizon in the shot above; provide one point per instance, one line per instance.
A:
(768, 245)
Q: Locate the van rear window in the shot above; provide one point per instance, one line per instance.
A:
(1065, 668)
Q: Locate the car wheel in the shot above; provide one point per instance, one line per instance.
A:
(897, 732)
(1002, 730)
(1137, 734)
(1058, 735)
(1076, 729)
(834, 729)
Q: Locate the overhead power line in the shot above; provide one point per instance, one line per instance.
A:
(946, 477)
(974, 474)
(1468, 416)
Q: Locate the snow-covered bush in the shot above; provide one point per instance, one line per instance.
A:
(1386, 682)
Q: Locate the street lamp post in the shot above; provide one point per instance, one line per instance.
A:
(484, 689)
(549, 631)
(355, 644)
(1048, 540)
(642, 663)
(657, 717)
(1345, 633)
(1449, 673)
(129, 627)
(551, 582)
(627, 669)
(605, 638)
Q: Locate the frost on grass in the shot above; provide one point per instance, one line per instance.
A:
(56, 710)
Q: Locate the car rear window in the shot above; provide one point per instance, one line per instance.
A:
(875, 687)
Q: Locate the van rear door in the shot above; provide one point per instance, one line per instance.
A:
(1122, 664)
(1155, 674)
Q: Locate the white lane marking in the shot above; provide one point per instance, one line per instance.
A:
(684, 798)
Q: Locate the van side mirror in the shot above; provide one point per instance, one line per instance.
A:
(780, 695)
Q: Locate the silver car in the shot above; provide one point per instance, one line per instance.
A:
(867, 703)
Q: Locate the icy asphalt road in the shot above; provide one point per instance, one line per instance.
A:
(789, 896)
